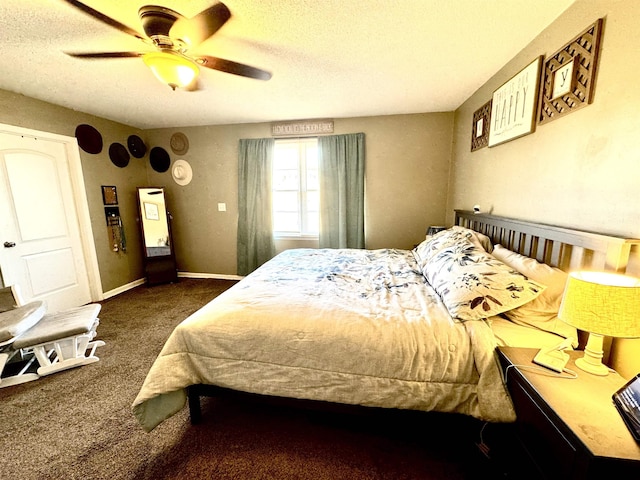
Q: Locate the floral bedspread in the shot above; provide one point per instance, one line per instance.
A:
(349, 326)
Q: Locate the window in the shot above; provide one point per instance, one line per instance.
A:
(296, 201)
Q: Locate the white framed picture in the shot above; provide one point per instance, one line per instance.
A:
(151, 211)
(514, 105)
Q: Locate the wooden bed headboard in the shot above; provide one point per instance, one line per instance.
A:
(568, 249)
(565, 248)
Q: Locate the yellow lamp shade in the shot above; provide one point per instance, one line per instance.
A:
(171, 68)
(603, 303)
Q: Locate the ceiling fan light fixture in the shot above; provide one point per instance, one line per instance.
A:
(171, 68)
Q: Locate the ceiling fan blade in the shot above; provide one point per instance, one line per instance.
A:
(104, 54)
(235, 68)
(197, 29)
(103, 18)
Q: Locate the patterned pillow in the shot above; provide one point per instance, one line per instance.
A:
(445, 238)
(474, 285)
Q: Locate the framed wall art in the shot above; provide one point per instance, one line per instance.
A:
(480, 127)
(109, 195)
(568, 78)
(151, 211)
(513, 108)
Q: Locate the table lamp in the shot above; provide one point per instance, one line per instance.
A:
(601, 304)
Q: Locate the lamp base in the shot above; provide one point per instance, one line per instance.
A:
(592, 360)
(600, 369)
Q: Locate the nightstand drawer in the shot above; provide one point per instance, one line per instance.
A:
(547, 446)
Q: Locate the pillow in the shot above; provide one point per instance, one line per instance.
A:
(542, 312)
(432, 245)
(474, 285)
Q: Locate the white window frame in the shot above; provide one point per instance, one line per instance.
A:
(302, 191)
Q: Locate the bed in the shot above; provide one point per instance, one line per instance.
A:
(409, 329)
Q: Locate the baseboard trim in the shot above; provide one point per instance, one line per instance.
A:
(142, 281)
(218, 276)
(123, 288)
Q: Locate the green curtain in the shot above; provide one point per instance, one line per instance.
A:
(341, 172)
(255, 235)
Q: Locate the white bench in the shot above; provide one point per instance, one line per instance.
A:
(56, 341)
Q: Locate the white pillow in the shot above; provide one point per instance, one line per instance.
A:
(542, 312)
(474, 285)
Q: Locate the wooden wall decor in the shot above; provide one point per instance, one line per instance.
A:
(480, 127)
(569, 75)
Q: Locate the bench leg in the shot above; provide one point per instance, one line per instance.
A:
(70, 353)
(21, 377)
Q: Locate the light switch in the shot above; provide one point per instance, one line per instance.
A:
(222, 207)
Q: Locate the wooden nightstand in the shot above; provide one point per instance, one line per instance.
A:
(569, 427)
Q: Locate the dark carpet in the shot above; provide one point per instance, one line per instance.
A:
(77, 424)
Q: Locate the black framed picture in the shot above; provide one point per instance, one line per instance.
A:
(109, 195)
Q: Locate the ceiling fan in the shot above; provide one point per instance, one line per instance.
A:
(173, 36)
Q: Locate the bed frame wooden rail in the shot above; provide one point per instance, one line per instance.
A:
(565, 248)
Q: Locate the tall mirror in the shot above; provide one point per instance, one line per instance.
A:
(157, 244)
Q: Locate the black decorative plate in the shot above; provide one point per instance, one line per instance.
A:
(89, 139)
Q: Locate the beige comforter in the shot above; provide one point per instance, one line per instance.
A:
(348, 326)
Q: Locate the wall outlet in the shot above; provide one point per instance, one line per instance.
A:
(222, 207)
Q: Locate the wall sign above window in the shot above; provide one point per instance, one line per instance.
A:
(301, 128)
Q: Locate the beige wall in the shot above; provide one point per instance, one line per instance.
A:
(116, 269)
(578, 170)
(407, 167)
(581, 170)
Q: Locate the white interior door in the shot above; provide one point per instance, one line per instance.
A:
(41, 249)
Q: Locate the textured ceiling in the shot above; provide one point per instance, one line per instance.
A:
(329, 58)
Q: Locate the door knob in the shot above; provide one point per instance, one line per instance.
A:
(9, 244)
